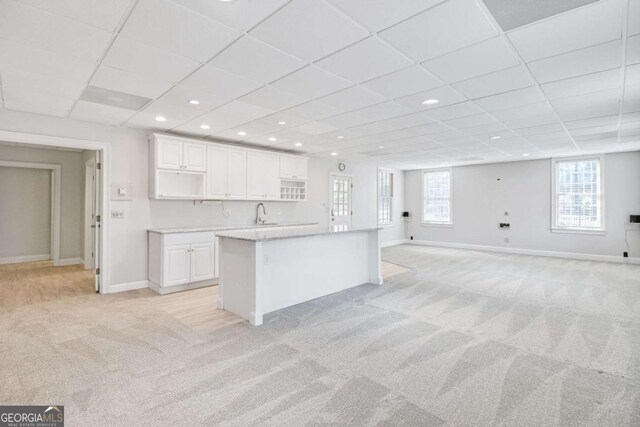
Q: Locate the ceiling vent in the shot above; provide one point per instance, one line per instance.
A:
(512, 14)
(113, 98)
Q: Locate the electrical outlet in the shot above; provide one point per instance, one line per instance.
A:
(411, 237)
(625, 254)
(117, 213)
(505, 226)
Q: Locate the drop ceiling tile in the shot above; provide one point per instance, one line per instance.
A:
(26, 81)
(228, 116)
(454, 111)
(90, 111)
(385, 110)
(427, 129)
(631, 99)
(272, 98)
(125, 81)
(171, 27)
(488, 130)
(129, 55)
(446, 135)
(280, 122)
(313, 110)
(247, 131)
(314, 128)
(523, 111)
(445, 95)
(632, 75)
(633, 50)
(541, 129)
(584, 61)
(376, 15)
(592, 122)
(43, 30)
(99, 13)
(36, 102)
(308, 29)
(634, 17)
(31, 59)
(489, 84)
(514, 98)
(549, 138)
(365, 60)
(590, 105)
(442, 29)
(531, 122)
(481, 58)
(243, 14)
(344, 121)
(211, 87)
(593, 24)
(256, 61)
(175, 115)
(471, 121)
(352, 98)
(583, 84)
(404, 82)
(312, 82)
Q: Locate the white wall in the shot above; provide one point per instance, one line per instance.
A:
(524, 190)
(130, 165)
(25, 216)
(71, 209)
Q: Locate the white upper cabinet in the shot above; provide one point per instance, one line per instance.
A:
(175, 154)
(226, 173)
(263, 176)
(293, 167)
(194, 157)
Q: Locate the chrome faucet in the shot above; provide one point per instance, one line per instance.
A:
(264, 211)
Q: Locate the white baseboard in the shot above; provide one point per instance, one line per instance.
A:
(26, 258)
(522, 251)
(129, 286)
(70, 261)
(392, 243)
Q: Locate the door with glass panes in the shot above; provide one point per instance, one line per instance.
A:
(341, 211)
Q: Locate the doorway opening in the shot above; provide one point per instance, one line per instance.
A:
(340, 201)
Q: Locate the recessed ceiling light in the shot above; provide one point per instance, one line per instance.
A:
(161, 119)
(205, 127)
(340, 136)
(242, 133)
(334, 154)
(493, 138)
(430, 101)
(282, 123)
(272, 139)
(194, 102)
(298, 144)
(526, 155)
(380, 146)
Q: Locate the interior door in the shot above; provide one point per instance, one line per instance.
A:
(236, 174)
(217, 182)
(97, 220)
(177, 265)
(202, 261)
(341, 212)
(89, 214)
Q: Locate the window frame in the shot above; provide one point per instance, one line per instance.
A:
(424, 223)
(378, 198)
(555, 228)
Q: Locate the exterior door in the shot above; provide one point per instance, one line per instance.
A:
(341, 212)
(236, 174)
(202, 261)
(178, 264)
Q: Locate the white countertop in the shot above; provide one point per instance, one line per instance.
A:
(259, 235)
(227, 227)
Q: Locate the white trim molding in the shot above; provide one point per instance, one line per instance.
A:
(523, 251)
(393, 243)
(70, 261)
(128, 286)
(25, 258)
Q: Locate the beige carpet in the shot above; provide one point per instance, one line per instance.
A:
(464, 338)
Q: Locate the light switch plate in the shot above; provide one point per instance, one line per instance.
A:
(117, 213)
(122, 192)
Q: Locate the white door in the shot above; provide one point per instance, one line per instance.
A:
(202, 261)
(97, 220)
(89, 214)
(217, 173)
(169, 154)
(177, 265)
(256, 171)
(194, 157)
(341, 188)
(236, 174)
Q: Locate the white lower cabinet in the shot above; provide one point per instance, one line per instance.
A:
(181, 261)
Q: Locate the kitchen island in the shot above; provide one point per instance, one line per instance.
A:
(262, 271)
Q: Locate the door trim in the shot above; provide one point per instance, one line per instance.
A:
(105, 203)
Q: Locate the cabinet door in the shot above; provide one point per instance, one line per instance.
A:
(177, 265)
(217, 173)
(299, 168)
(236, 174)
(256, 175)
(202, 261)
(286, 167)
(195, 157)
(272, 177)
(168, 154)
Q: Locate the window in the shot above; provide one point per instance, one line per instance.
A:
(577, 195)
(436, 197)
(385, 197)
